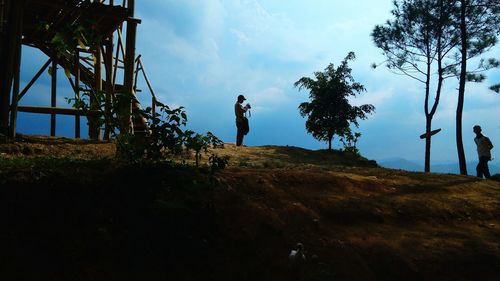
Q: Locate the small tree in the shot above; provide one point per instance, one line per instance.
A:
(329, 112)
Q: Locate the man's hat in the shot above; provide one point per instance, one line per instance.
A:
(241, 97)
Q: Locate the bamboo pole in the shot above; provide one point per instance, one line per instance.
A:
(57, 110)
(35, 78)
(115, 69)
(129, 64)
(2, 12)
(108, 63)
(53, 98)
(153, 95)
(136, 74)
(77, 92)
(15, 93)
(7, 63)
(94, 130)
(146, 79)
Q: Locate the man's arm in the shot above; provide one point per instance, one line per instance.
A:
(490, 145)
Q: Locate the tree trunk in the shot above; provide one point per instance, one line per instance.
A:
(330, 143)
(428, 125)
(428, 117)
(461, 89)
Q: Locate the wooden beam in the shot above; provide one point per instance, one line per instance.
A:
(57, 110)
(33, 80)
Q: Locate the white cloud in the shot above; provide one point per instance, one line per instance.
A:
(268, 100)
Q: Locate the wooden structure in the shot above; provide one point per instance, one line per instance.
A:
(99, 67)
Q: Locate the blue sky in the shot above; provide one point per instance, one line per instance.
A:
(202, 54)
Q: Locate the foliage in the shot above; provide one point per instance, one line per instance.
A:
(420, 34)
(66, 38)
(329, 112)
(100, 116)
(200, 142)
(349, 141)
(218, 162)
(495, 88)
(165, 137)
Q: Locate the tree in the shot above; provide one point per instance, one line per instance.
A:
(479, 26)
(329, 112)
(416, 43)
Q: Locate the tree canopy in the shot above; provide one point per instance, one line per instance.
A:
(329, 112)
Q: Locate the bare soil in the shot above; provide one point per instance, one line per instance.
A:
(74, 213)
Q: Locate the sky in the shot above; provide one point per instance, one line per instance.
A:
(202, 54)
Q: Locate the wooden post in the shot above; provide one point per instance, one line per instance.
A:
(77, 92)
(2, 16)
(53, 98)
(131, 7)
(108, 62)
(15, 93)
(8, 60)
(94, 130)
(128, 82)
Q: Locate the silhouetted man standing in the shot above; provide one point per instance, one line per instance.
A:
(484, 147)
(241, 121)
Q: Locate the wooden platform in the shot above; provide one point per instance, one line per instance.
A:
(45, 18)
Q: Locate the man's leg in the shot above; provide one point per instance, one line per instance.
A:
(479, 169)
(239, 138)
(486, 169)
(239, 134)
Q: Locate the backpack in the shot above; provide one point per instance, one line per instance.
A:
(245, 126)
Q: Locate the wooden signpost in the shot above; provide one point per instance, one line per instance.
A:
(431, 133)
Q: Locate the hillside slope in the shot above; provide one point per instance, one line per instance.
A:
(74, 219)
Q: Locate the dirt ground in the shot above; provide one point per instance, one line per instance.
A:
(356, 221)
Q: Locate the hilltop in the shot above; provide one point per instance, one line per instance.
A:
(72, 213)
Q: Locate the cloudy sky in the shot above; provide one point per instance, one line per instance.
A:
(202, 54)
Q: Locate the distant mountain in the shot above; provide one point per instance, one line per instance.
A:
(453, 168)
(445, 168)
(400, 163)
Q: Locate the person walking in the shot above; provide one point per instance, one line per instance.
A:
(484, 147)
(241, 120)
